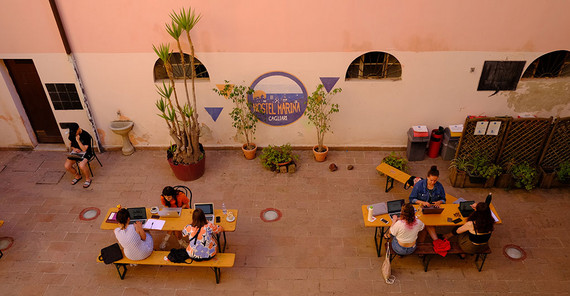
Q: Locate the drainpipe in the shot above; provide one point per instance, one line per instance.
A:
(69, 53)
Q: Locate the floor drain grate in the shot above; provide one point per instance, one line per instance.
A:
(270, 215)
(89, 214)
(6, 243)
(514, 252)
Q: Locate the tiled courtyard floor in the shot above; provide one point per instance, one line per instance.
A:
(319, 247)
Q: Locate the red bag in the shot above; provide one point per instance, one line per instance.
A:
(441, 246)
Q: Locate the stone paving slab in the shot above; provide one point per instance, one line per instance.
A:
(318, 247)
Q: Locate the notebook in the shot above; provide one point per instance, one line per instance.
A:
(76, 155)
(137, 214)
(395, 207)
(431, 210)
(208, 209)
(170, 212)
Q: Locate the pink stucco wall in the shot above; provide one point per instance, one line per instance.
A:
(295, 25)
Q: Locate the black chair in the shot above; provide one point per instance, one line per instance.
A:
(186, 191)
(93, 156)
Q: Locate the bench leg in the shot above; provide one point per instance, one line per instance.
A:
(425, 262)
(391, 181)
(379, 244)
(483, 258)
(1, 254)
(218, 273)
(118, 266)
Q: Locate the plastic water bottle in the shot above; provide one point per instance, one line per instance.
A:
(224, 208)
(489, 198)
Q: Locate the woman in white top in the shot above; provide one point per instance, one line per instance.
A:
(405, 231)
(136, 243)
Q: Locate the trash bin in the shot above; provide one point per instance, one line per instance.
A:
(416, 149)
(449, 145)
(435, 142)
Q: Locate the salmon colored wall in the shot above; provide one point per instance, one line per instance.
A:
(324, 25)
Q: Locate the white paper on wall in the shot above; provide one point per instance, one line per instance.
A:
(481, 128)
(494, 127)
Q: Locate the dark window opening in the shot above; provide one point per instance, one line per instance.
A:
(374, 65)
(177, 71)
(500, 75)
(553, 64)
(64, 96)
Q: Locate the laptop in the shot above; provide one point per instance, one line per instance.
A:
(465, 208)
(137, 214)
(395, 207)
(208, 209)
(170, 212)
(431, 210)
(379, 209)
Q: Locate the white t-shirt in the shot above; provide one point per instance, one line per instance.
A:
(405, 233)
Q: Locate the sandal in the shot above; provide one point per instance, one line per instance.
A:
(75, 180)
(87, 183)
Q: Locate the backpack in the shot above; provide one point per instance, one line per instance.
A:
(178, 256)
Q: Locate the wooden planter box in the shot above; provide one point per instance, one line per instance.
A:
(461, 179)
(505, 181)
(548, 179)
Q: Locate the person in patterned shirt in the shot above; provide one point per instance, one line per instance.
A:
(202, 244)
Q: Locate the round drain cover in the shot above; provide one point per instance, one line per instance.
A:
(89, 214)
(514, 252)
(6, 243)
(270, 215)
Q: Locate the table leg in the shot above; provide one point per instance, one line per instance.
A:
(221, 247)
(379, 245)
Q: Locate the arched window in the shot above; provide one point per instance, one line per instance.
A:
(160, 71)
(553, 64)
(374, 65)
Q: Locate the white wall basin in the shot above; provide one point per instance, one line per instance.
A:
(121, 127)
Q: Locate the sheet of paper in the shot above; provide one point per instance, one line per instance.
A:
(420, 128)
(494, 217)
(154, 224)
(493, 128)
(456, 128)
(481, 127)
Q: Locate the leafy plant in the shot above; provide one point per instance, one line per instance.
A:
(272, 156)
(491, 171)
(243, 118)
(479, 165)
(460, 164)
(396, 161)
(525, 175)
(319, 111)
(181, 117)
(563, 173)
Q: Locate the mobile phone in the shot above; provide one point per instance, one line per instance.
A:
(217, 219)
(457, 220)
(384, 220)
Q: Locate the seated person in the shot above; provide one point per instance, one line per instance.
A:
(474, 235)
(80, 142)
(173, 198)
(405, 231)
(201, 233)
(136, 243)
(429, 192)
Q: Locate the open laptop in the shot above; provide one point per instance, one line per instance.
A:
(465, 208)
(208, 209)
(137, 214)
(395, 207)
(170, 212)
(431, 210)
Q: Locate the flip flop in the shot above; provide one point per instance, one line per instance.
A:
(75, 180)
(87, 183)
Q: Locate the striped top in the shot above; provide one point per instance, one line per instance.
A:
(133, 246)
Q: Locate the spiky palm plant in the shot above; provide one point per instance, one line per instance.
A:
(181, 117)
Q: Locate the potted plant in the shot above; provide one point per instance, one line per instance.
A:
(524, 175)
(319, 111)
(550, 177)
(478, 168)
(243, 118)
(563, 173)
(186, 156)
(396, 161)
(273, 157)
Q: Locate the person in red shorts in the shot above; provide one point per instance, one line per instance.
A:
(173, 198)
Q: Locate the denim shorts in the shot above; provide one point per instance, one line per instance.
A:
(401, 250)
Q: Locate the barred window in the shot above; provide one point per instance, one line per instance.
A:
(374, 65)
(160, 71)
(553, 64)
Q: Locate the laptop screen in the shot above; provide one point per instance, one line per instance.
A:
(207, 208)
(137, 213)
(395, 205)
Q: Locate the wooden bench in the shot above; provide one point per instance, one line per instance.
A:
(157, 258)
(426, 250)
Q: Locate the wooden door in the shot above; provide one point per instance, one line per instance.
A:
(34, 99)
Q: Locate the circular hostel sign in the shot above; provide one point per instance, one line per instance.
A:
(278, 99)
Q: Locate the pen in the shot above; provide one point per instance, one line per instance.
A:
(151, 224)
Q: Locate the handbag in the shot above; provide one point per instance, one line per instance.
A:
(178, 256)
(111, 254)
(386, 267)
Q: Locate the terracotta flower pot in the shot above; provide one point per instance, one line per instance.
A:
(320, 156)
(189, 172)
(249, 154)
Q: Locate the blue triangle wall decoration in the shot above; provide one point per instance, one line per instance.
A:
(214, 112)
(329, 82)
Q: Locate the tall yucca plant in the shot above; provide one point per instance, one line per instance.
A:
(181, 117)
